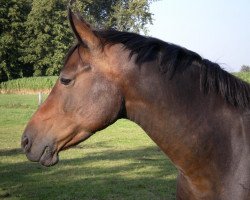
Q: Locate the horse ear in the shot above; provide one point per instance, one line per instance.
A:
(83, 31)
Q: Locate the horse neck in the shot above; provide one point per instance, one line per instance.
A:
(185, 123)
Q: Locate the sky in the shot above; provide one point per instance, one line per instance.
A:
(217, 30)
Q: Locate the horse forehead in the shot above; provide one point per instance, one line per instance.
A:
(78, 56)
(110, 61)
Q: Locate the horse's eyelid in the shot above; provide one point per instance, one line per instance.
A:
(65, 81)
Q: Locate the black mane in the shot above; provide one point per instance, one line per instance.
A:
(174, 59)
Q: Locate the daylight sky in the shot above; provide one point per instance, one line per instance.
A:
(218, 30)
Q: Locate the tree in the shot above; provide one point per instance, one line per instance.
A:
(38, 35)
(123, 15)
(47, 36)
(245, 68)
(13, 14)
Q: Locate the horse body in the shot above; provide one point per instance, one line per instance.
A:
(187, 109)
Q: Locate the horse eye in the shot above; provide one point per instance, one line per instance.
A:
(65, 81)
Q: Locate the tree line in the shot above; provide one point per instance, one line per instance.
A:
(245, 68)
(35, 34)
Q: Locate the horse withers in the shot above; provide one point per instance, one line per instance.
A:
(197, 113)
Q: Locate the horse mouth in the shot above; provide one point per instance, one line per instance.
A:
(49, 157)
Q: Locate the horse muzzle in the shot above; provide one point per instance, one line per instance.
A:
(41, 151)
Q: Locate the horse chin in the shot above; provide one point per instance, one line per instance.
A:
(49, 158)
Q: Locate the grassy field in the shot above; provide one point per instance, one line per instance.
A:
(119, 163)
(28, 85)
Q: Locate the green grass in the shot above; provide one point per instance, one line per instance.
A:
(119, 163)
(28, 84)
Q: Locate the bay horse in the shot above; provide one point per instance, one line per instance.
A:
(197, 113)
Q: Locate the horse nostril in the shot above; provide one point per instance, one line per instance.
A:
(26, 144)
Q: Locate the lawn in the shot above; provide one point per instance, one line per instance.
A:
(120, 162)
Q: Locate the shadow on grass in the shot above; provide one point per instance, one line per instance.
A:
(11, 152)
(111, 174)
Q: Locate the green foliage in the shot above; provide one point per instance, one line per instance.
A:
(48, 36)
(35, 34)
(13, 14)
(243, 75)
(28, 84)
(123, 15)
